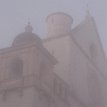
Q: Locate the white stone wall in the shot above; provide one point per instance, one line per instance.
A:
(87, 37)
(69, 67)
(60, 49)
(75, 63)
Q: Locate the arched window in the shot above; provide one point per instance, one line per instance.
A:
(16, 68)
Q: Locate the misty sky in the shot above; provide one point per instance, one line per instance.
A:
(14, 15)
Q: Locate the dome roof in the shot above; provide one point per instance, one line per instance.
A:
(26, 37)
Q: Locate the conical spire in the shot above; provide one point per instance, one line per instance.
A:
(88, 15)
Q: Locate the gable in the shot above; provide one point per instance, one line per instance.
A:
(86, 36)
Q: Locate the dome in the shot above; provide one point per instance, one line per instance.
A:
(26, 37)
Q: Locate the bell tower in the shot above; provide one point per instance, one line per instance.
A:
(21, 72)
(59, 24)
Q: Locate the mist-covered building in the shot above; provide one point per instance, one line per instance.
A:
(66, 69)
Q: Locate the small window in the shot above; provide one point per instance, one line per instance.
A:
(16, 68)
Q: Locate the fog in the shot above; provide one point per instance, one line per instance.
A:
(68, 70)
(16, 13)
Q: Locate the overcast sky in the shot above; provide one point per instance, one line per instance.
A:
(14, 15)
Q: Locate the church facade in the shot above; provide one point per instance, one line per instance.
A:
(66, 69)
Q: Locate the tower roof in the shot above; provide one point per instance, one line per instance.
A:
(26, 37)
